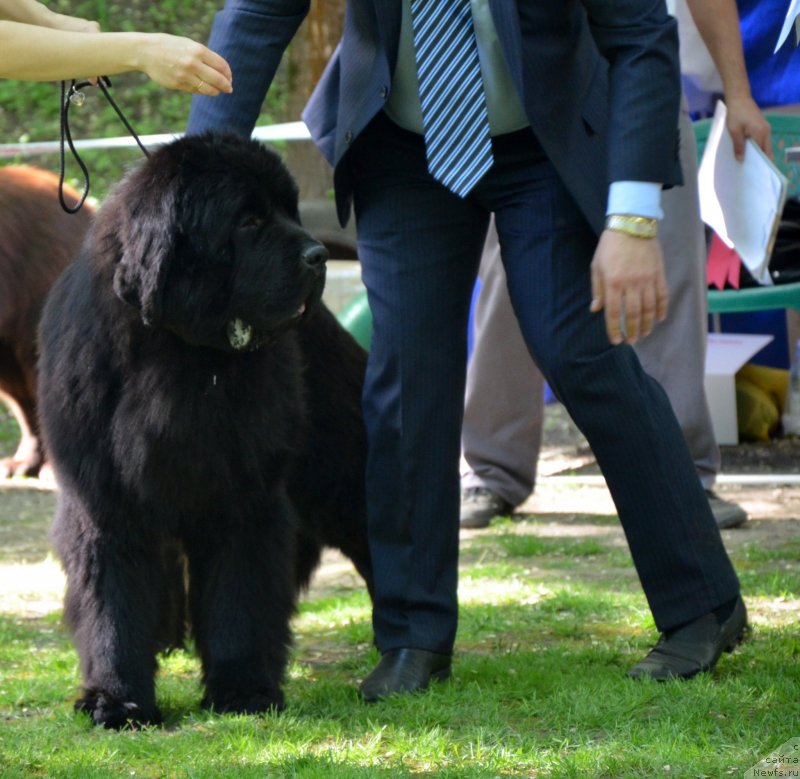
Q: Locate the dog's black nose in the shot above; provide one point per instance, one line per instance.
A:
(315, 255)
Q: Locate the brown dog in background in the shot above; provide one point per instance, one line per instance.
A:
(37, 240)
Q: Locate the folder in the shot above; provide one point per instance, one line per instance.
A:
(741, 201)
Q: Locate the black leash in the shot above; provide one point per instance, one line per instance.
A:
(73, 96)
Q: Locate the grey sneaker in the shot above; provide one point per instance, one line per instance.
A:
(726, 513)
(479, 506)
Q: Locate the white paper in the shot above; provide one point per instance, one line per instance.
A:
(792, 20)
(727, 352)
(741, 201)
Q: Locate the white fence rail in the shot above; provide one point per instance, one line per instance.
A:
(288, 131)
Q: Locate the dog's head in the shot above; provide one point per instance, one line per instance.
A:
(211, 244)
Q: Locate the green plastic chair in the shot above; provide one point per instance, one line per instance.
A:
(356, 318)
(785, 134)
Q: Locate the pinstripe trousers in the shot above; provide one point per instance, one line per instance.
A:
(503, 412)
(420, 246)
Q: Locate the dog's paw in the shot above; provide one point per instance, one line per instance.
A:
(115, 714)
(256, 700)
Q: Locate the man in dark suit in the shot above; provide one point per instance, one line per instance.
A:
(581, 100)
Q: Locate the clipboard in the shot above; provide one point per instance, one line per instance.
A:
(741, 201)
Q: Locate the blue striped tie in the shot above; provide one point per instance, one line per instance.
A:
(454, 115)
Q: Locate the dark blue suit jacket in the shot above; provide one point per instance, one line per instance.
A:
(599, 80)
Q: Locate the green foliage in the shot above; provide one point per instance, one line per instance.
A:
(29, 111)
(9, 431)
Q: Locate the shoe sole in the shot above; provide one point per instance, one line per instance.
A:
(729, 648)
(441, 676)
(436, 676)
(744, 634)
(475, 524)
(731, 523)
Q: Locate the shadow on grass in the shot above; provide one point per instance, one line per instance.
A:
(538, 689)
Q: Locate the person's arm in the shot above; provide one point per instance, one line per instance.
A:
(718, 24)
(252, 35)
(33, 53)
(33, 12)
(639, 41)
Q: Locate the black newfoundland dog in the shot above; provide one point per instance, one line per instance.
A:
(201, 407)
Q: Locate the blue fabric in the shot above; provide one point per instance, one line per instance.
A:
(774, 78)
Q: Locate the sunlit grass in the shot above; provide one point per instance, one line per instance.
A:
(549, 627)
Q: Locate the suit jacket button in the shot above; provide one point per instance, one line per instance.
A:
(348, 137)
(384, 92)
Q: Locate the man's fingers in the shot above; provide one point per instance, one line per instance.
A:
(610, 303)
(628, 282)
(597, 290)
(738, 138)
(633, 317)
(764, 140)
(662, 298)
(613, 311)
(648, 311)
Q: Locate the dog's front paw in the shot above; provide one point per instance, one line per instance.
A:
(115, 714)
(256, 700)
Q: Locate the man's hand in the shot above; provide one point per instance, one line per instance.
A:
(628, 283)
(745, 120)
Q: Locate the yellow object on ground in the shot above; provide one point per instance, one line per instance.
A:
(761, 394)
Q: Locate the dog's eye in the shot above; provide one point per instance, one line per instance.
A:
(251, 221)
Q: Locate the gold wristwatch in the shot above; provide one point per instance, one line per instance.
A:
(637, 226)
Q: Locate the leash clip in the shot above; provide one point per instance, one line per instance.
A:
(74, 96)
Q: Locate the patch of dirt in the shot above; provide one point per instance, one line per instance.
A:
(773, 508)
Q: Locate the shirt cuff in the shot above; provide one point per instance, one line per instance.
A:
(637, 198)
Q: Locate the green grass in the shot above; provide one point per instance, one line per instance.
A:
(9, 431)
(539, 686)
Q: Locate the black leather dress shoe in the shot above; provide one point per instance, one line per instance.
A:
(693, 648)
(404, 670)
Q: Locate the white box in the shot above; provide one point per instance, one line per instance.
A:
(725, 354)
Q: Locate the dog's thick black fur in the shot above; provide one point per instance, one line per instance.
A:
(199, 403)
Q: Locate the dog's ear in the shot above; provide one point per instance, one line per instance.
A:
(147, 236)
